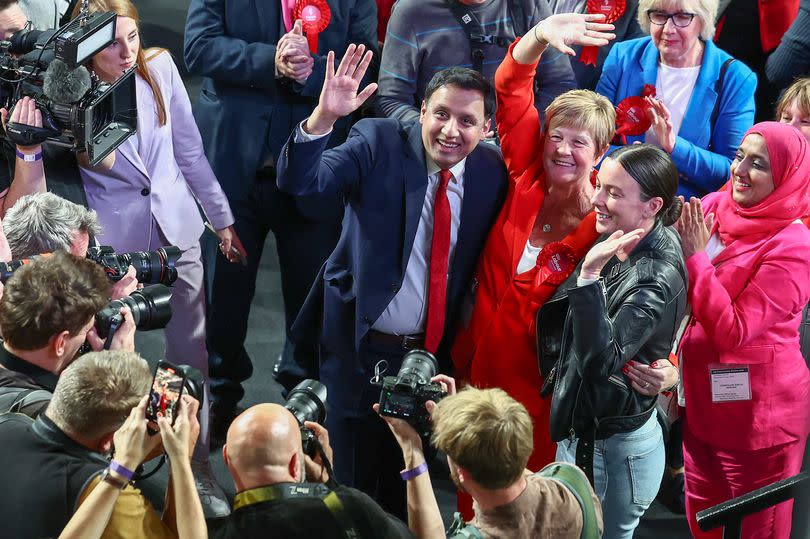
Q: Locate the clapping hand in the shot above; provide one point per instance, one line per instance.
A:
(695, 230)
(340, 96)
(293, 59)
(618, 244)
(566, 29)
(658, 113)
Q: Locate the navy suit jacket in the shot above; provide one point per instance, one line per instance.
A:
(380, 172)
(244, 112)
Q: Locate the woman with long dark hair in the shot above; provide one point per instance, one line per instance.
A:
(622, 304)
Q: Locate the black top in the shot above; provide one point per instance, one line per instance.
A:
(19, 373)
(306, 517)
(62, 174)
(44, 472)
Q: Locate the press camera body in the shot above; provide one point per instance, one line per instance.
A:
(78, 110)
(404, 395)
(306, 402)
(149, 306)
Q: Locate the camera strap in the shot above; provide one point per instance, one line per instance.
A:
(475, 33)
(288, 491)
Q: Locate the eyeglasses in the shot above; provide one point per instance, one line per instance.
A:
(660, 18)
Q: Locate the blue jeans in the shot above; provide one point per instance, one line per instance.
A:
(627, 471)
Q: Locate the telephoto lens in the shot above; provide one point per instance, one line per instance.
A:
(306, 402)
(149, 306)
(418, 367)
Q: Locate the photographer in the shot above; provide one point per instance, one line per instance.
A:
(45, 223)
(63, 173)
(487, 437)
(37, 348)
(265, 457)
(58, 460)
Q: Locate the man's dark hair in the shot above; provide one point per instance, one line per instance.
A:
(466, 79)
(6, 3)
(50, 295)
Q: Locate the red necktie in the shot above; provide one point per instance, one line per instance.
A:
(439, 256)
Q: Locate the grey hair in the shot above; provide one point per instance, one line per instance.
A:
(44, 223)
(706, 11)
(95, 394)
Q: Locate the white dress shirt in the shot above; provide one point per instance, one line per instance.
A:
(406, 314)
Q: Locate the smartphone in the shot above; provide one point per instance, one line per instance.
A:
(234, 251)
(167, 387)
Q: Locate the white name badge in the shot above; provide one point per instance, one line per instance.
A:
(730, 383)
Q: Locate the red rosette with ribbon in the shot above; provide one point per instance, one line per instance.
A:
(612, 10)
(631, 114)
(555, 263)
(315, 16)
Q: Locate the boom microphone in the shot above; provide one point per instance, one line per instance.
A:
(64, 85)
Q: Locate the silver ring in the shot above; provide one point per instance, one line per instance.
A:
(646, 384)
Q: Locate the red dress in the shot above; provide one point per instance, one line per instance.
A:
(496, 347)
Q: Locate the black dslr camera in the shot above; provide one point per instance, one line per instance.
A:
(404, 395)
(149, 306)
(151, 267)
(306, 402)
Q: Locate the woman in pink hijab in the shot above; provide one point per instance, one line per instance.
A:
(745, 383)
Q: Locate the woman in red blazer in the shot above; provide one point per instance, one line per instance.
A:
(745, 382)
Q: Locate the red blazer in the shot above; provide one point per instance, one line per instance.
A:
(746, 307)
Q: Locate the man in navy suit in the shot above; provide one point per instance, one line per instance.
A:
(420, 198)
(262, 79)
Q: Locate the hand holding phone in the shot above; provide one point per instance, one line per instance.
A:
(167, 387)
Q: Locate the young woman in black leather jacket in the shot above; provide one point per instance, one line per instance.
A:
(622, 305)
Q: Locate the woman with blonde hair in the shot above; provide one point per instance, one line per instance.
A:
(703, 100)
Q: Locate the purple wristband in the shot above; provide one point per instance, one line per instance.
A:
(121, 470)
(407, 475)
(29, 157)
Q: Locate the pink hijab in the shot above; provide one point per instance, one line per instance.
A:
(789, 154)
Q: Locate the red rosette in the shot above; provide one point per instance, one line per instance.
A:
(612, 10)
(555, 263)
(631, 117)
(315, 16)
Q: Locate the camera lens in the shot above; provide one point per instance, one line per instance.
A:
(150, 306)
(418, 367)
(306, 402)
(154, 267)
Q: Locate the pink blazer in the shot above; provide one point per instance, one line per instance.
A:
(746, 306)
(158, 173)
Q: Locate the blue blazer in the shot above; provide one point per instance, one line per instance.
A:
(380, 172)
(703, 152)
(244, 112)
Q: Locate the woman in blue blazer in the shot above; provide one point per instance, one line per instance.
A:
(704, 98)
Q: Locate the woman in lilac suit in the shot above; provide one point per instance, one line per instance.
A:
(145, 191)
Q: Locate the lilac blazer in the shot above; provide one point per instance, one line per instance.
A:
(158, 173)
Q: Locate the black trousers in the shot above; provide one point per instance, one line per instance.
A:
(366, 454)
(303, 244)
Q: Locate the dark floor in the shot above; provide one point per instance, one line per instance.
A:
(162, 25)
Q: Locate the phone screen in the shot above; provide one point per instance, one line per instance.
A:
(167, 386)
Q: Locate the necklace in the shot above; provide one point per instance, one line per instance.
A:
(546, 228)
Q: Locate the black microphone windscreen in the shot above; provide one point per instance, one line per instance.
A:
(64, 85)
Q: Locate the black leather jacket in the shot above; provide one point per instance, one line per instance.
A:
(586, 334)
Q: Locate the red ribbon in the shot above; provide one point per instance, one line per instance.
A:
(555, 263)
(631, 114)
(315, 16)
(612, 10)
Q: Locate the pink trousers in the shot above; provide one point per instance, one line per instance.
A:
(716, 475)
